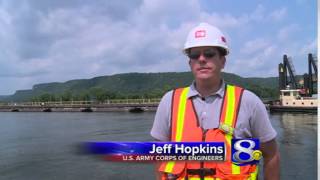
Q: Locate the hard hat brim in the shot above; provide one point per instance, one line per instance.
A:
(185, 50)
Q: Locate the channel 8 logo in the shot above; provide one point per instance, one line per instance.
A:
(245, 151)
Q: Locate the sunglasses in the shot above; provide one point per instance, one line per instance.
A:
(207, 53)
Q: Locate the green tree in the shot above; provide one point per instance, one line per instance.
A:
(45, 97)
(66, 96)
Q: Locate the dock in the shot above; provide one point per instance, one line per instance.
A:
(116, 105)
(131, 105)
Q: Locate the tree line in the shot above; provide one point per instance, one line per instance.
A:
(99, 94)
(95, 94)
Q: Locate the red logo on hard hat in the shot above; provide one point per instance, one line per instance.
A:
(200, 34)
(223, 39)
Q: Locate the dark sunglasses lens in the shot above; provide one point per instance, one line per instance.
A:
(209, 53)
(194, 54)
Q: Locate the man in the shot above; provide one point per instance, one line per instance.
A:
(211, 110)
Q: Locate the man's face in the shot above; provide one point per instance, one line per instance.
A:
(206, 62)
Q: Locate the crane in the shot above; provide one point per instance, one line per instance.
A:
(286, 68)
(287, 76)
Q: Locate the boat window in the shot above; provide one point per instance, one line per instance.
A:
(286, 93)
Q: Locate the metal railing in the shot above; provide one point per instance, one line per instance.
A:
(106, 102)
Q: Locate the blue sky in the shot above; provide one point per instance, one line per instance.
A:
(55, 41)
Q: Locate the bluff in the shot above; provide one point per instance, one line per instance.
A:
(131, 85)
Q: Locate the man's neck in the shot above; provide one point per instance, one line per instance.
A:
(208, 87)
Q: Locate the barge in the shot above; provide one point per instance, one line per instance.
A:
(291, 101)
(294, 96)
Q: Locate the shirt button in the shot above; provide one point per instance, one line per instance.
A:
(204, 115)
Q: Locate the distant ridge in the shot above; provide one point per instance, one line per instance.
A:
(132, 85)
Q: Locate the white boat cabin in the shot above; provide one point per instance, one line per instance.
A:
(292, 98)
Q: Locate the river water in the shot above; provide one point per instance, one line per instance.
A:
(44, 145)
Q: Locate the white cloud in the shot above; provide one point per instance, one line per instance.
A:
(62, 40)
(261, 63)
(154, 13)
(310, 47)
(259, 13)
(279, 14)
(224, 20)
(288, 31)
(255, 45)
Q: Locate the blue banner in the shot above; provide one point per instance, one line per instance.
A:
(158, 151)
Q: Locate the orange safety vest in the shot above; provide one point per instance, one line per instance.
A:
(185, 128)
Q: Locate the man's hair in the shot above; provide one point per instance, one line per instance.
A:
(222, 51)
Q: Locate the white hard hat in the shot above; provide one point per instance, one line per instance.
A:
(206, 35)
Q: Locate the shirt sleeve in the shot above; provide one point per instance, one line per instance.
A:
(161, 125)
(260, 124)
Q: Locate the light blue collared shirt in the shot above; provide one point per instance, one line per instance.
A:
(253, 120)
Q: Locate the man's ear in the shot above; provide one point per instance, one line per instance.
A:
(223, 59)
(190, 64)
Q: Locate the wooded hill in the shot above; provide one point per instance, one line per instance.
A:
(131, 85)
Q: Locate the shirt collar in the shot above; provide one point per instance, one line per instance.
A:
(193, 91)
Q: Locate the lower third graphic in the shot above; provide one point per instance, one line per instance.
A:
(245, 151)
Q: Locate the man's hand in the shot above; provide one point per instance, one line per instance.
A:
(271, 159)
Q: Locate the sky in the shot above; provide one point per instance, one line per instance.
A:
(56, 41)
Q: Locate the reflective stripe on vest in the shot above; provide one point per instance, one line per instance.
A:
(228, 116)
(179, 113)
(185, 127)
